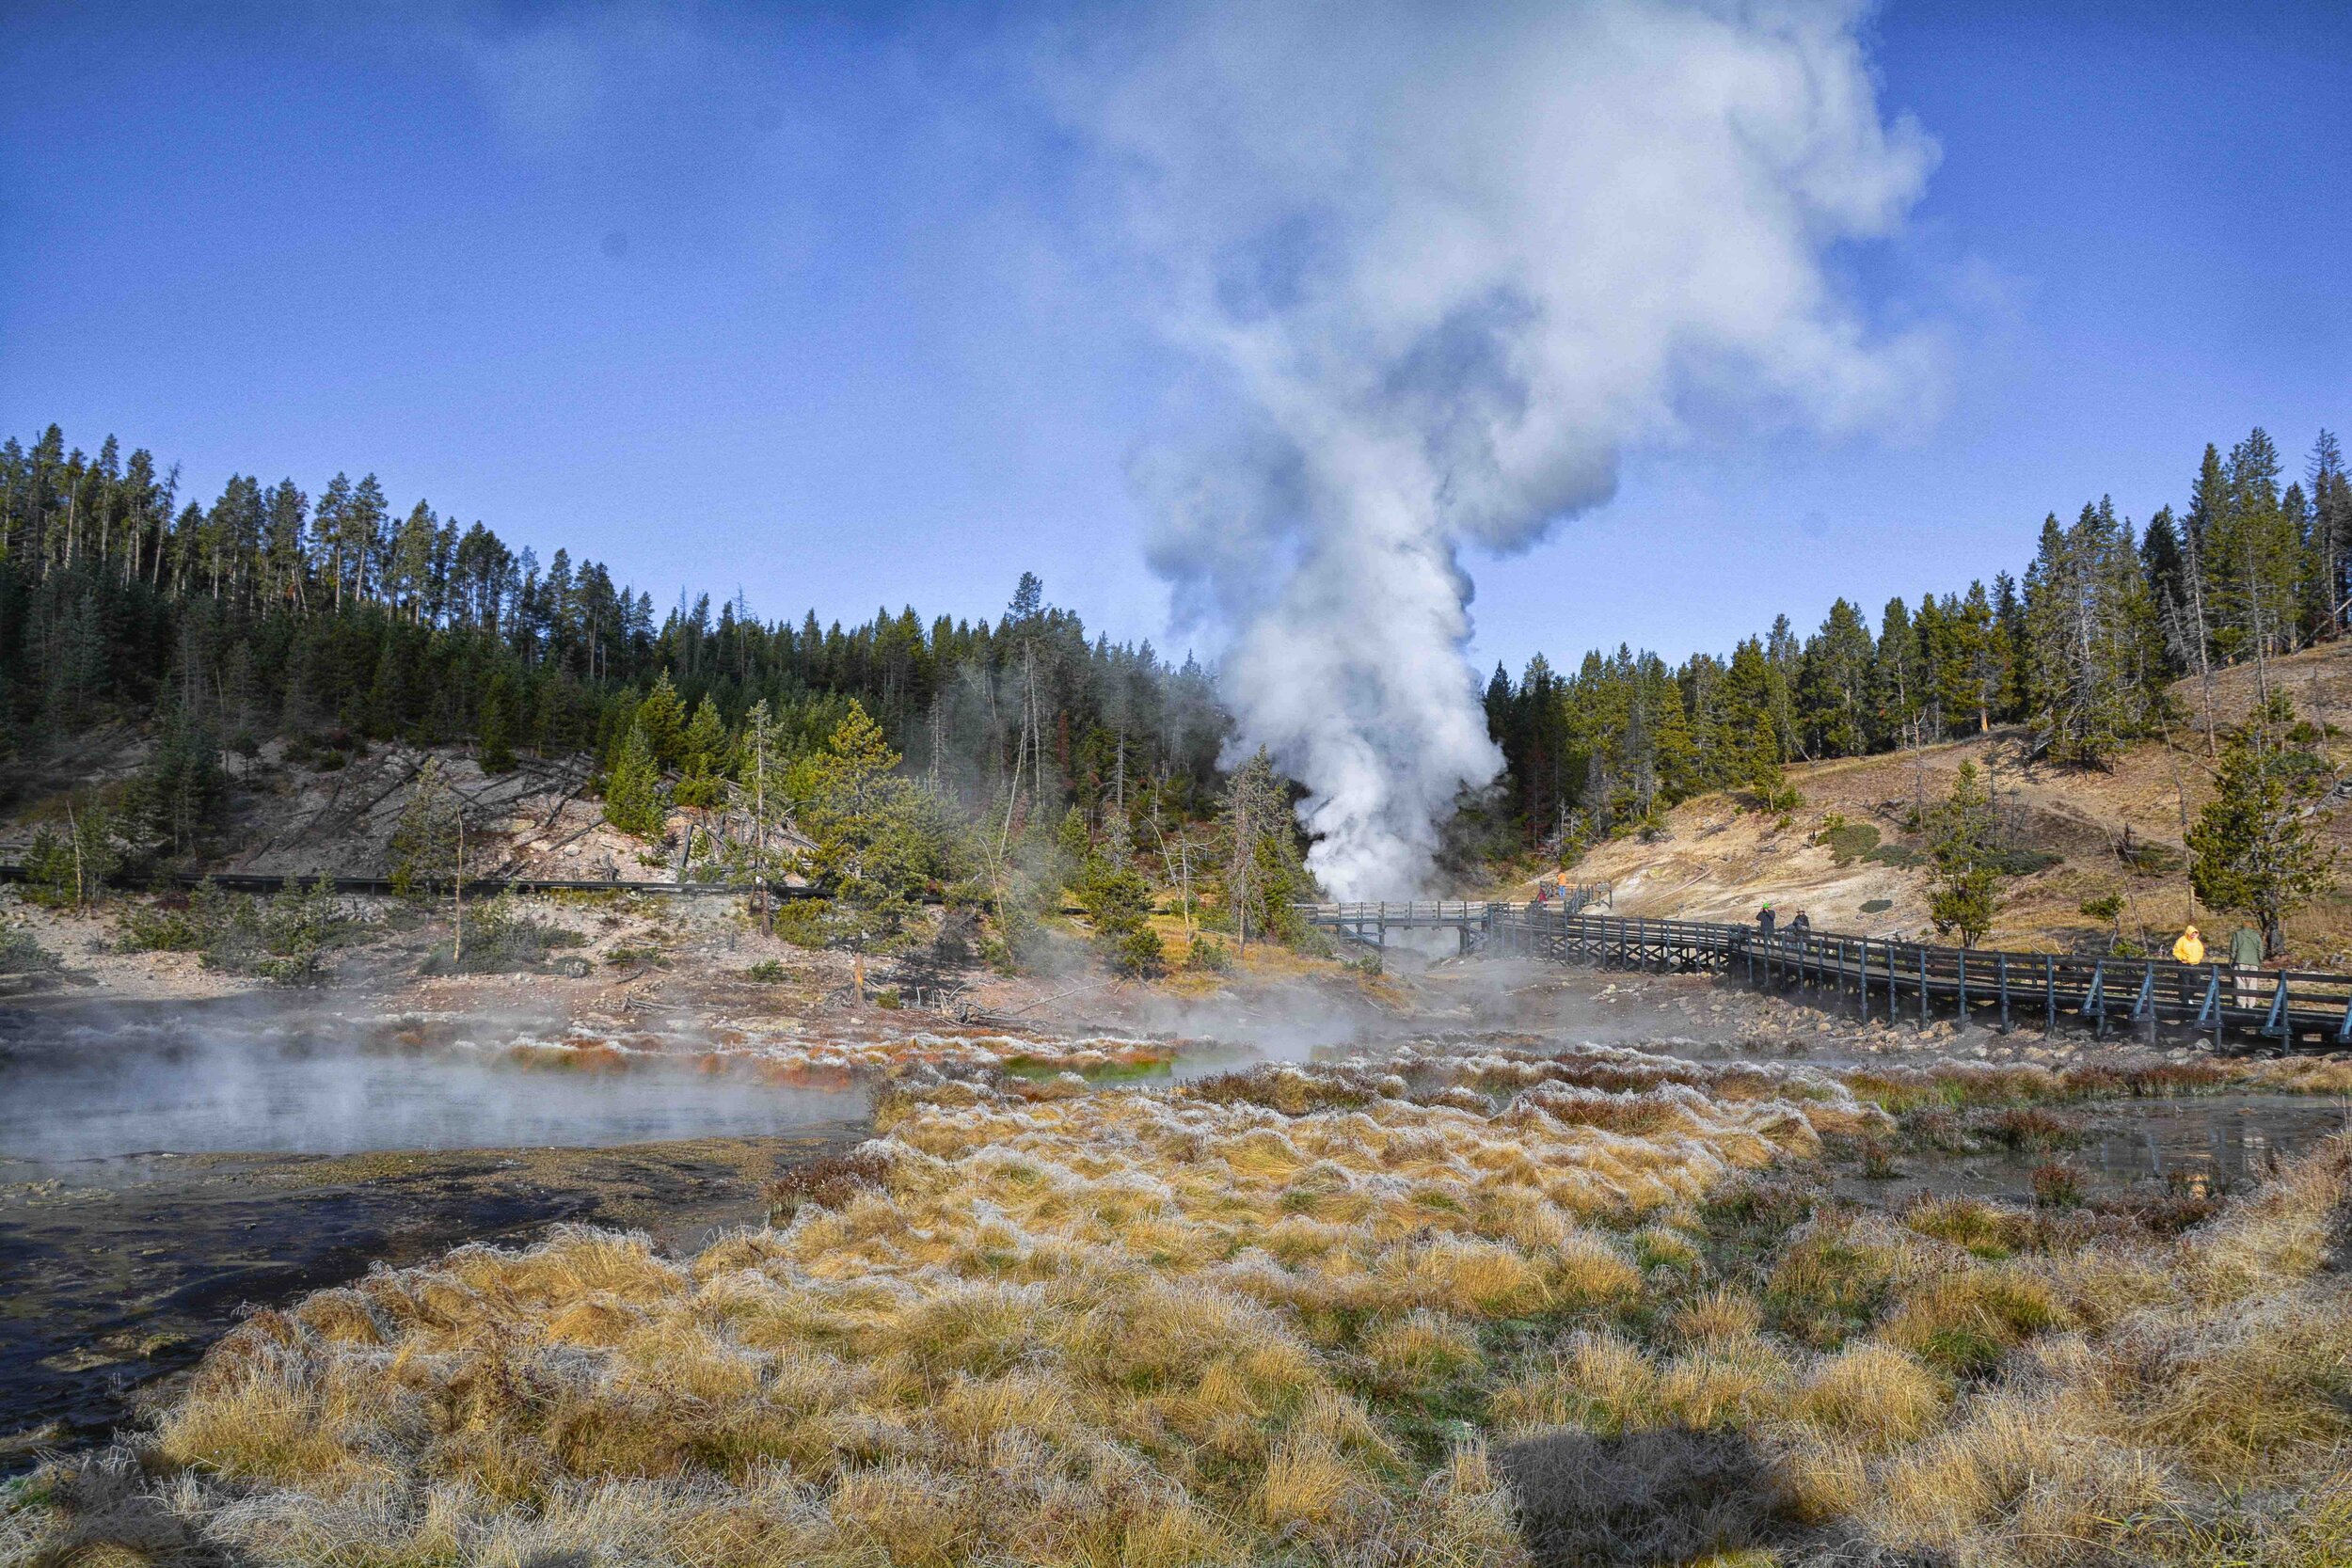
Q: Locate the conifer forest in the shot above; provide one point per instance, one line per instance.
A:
(269, 611)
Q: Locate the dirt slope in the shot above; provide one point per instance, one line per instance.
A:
(2117, 831)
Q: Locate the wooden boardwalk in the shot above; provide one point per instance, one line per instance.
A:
(1899, 981)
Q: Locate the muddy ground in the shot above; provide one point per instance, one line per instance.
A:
(122, 1270)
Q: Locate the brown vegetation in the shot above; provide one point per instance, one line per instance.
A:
(1270, 1319)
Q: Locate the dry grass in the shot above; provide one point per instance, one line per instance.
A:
(1268, 1319)
(1028, 1323)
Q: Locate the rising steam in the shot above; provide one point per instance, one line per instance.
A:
(1444, 264)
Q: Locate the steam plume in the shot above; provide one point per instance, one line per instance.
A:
(1443, 265)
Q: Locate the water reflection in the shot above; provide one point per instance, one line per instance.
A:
(2225, 1141)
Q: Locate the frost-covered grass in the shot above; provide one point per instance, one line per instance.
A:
(1299, 1316)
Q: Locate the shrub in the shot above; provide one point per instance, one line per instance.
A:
(281, 938)
(159, 928)
(19, 954)
(500, 937)
(2030, 1129)
(767, 971)
(828, 1182)
(1847, 841)
(2017, 861)
(2057, 1186)
(1209, 956)
(802, 922)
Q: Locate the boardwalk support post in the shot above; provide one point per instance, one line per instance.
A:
(2004, 968)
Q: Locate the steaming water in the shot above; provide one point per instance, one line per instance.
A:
(315, 1086)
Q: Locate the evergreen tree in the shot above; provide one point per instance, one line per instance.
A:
(424, 844)
(2096, 661)
(1261, 854)
(1964, 895)
(2331, 528)
(2255, 555)
(1118, 902)
(180, 791)
(634, 798)
(1833, 697)
(663, 717)
(2256, 849)
(497, 726)
(872, 852)
(703, 748)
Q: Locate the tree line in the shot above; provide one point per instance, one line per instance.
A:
(339, 620)
(1007, 766)
(2081, 649)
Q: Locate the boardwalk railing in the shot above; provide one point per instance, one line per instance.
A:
(1887, 979)
(1907, 980)
(1371, 923)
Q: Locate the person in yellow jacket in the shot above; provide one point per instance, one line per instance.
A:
(2190, 949)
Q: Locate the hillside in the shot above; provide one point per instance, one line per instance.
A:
(1716, 861)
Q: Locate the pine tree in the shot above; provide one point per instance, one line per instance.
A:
(872, 852)
(2255, 556)
(663, 717)
(424, 844)
(1834, 685)
(704, 747)
(1118, 902)
(761, 772)
(2256, 847)
(1252, 805)
(1964, 895)
(496, 725)
(634, 798)
(2097, 664)
(2331, 526)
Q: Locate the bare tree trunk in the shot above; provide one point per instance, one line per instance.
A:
(457, 892)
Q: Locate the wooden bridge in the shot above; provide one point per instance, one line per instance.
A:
(1370, 923)
(1897, 981)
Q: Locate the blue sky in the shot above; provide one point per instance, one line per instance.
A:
(816, 304)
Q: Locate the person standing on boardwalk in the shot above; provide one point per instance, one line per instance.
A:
(2246, 958)
(1764, 918)
(2190, 949)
